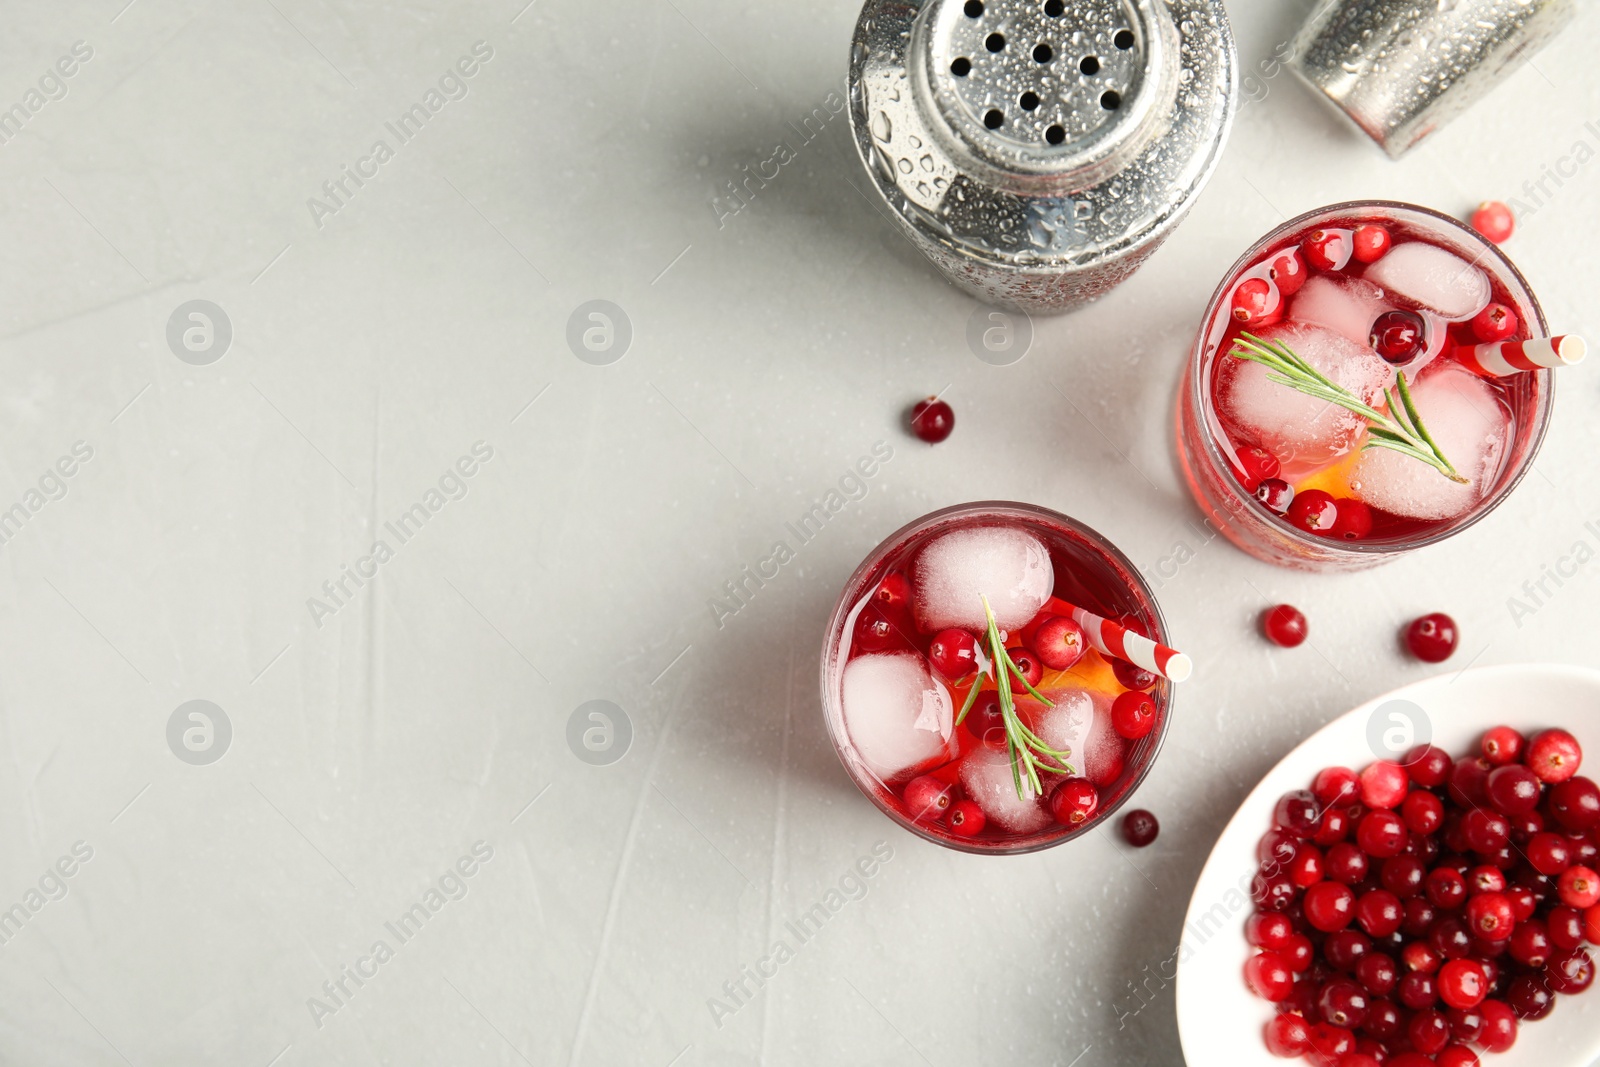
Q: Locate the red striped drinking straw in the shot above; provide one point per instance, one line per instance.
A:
(1504, 358)
(1124, 644)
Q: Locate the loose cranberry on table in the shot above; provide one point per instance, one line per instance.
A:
(1432, 638)
(932, 420)
(1494, 220)
(1284, 625)
(1139, 828)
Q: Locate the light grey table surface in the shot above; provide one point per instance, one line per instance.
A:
(378, 740)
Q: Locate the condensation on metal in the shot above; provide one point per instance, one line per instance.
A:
(1038, 150)
(1401, 70)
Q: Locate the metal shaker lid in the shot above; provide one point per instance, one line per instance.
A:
(1400, 69)
(1043, 135)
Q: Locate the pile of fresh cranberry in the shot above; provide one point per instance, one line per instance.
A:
(1409, 912)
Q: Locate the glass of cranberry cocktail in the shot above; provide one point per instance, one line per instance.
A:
(966, 682)
(1333, 415)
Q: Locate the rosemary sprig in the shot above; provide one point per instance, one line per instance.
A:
(1023, 745)
(1401, 430)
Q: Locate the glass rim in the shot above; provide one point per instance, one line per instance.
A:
(833, 714)
(1447, 529)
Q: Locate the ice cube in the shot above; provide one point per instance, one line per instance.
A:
(898, 718)
(1103, 750)
(1432, 278)
(1347, 306)
(1302, 431)
(986, 775)
(1470, 427)
(1064, 726)
(958, 569)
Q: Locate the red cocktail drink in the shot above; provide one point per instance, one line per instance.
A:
(964, 689)
(1378, 304)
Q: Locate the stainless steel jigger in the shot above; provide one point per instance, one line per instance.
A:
(1036, 150)
(1400, 69)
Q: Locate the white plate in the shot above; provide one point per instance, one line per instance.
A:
(1219, 1020)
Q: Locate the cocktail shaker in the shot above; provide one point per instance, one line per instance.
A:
(1401, 69)
(1038, 150)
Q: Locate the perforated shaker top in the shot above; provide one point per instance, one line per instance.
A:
(1038, 150)
(1044, 78)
